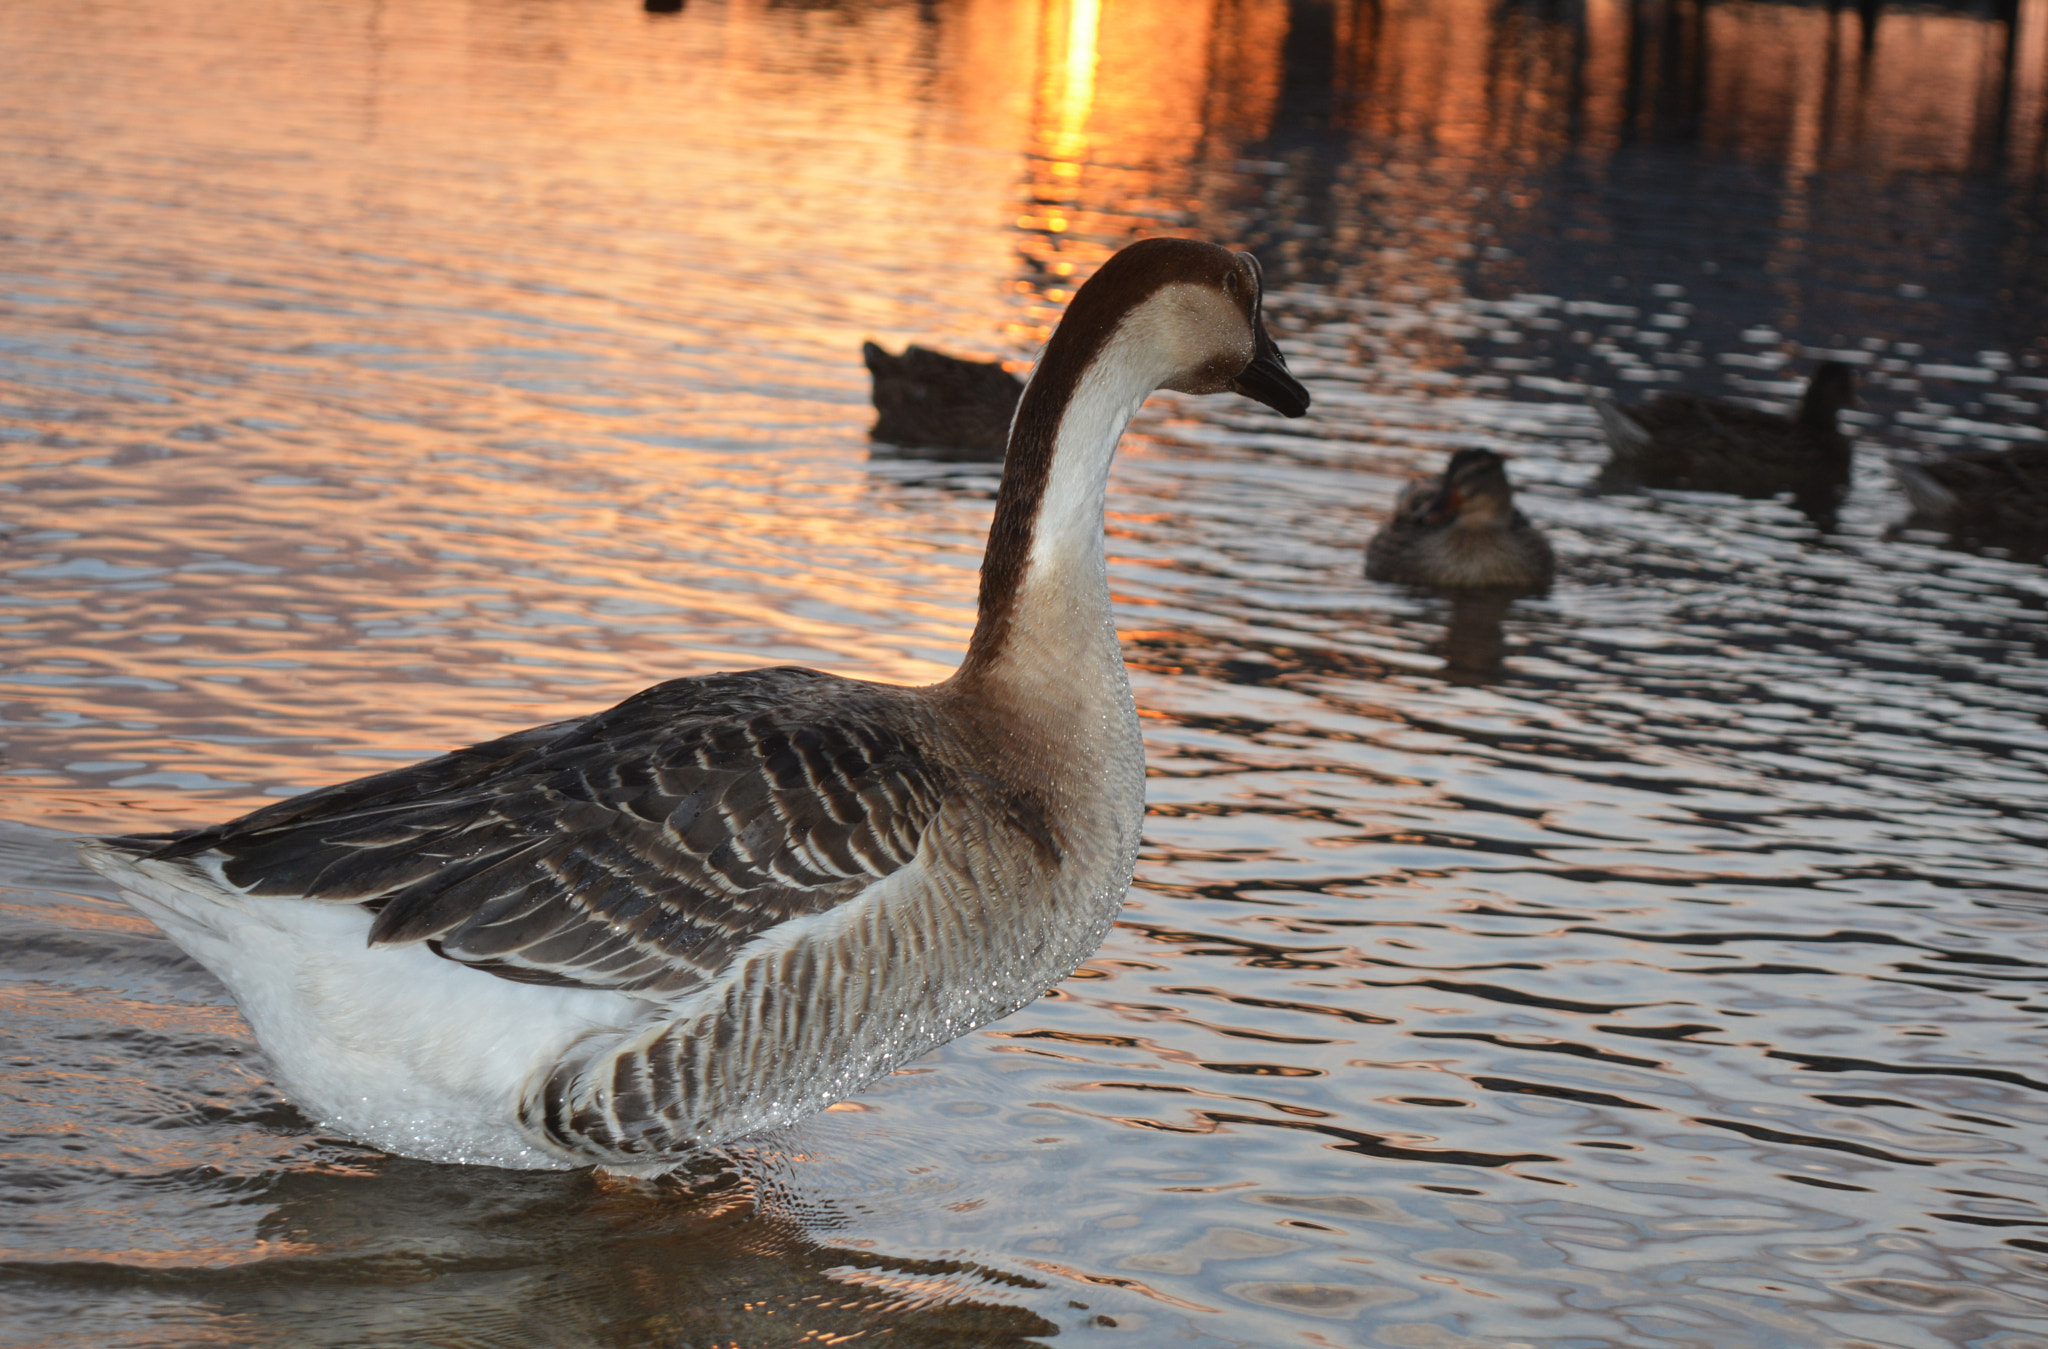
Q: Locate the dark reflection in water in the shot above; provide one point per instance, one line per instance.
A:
(1537, 199)
(1658, 961)
(1475, 644)
(386, 1251)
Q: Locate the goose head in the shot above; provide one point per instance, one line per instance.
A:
(1178, 314)
(1213, 323)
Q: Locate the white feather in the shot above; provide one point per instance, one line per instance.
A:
(392, 1045)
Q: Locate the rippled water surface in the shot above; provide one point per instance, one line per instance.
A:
(1659, 962)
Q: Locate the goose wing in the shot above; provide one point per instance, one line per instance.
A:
(635, 850)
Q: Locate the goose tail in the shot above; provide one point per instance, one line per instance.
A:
(193, 910)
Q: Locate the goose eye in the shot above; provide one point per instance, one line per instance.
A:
(1230, 284)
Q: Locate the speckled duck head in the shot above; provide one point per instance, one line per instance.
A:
(1475, 492)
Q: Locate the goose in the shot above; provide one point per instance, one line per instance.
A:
(1460, 530)
(1708, 445)
(941, 406)
(1995, 497)
(732, 899)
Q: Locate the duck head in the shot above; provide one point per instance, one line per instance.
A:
(1474, 492)
(1832, 388)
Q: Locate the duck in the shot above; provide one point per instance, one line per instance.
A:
(1461, 530)
(942, 407)
(1711, 445)
(735, 898)
(1982, 497)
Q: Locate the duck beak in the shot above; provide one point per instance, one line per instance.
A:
(1266, 379)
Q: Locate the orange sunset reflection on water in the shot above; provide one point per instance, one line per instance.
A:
(452, 368)
(1643, 962)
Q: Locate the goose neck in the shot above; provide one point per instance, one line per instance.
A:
(1044, 580)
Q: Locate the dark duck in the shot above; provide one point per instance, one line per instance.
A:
(942, 407)
(1996, 498)
(1709, 445)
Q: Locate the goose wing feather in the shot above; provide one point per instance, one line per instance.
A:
(638, 849)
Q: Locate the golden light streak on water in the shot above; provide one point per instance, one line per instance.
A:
(1076, 95)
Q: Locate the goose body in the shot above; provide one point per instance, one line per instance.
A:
(942, 406)
(1461, 530)
(732, 899)
(1995, 497)
(1708, 445)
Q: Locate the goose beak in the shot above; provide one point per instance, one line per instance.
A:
(1266, 379)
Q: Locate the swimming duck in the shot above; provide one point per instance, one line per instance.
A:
(942, 406)
(1708, 445)
(732, 899)
(1461, 530)
(1995, 497)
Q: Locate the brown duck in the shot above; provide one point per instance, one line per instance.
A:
(1461, 530)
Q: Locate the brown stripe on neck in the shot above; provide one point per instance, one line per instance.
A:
(1123, 283)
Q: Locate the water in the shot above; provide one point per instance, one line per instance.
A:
(1656, 963)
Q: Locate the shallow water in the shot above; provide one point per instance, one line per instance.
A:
(1660, 962)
